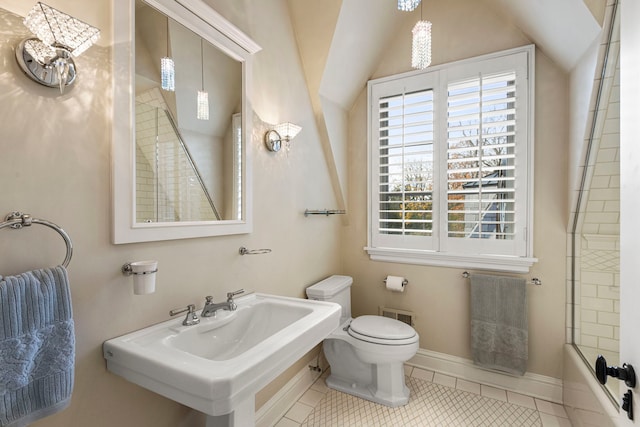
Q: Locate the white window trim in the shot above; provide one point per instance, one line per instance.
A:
(516, 264)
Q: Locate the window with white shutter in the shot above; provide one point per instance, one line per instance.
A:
(450, 155)
(406, 164)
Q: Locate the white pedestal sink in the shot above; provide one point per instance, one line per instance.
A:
(217, 366)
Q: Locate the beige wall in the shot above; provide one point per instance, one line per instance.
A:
(440, 296)
(55, 164)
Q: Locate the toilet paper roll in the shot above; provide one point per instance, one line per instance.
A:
(395, 283)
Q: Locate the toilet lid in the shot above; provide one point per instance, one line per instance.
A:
(382, 330)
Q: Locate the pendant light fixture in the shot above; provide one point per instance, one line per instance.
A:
(167, 69)
(421, 44)
(203, 96)
(408, 5)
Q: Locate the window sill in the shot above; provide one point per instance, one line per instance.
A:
(511, 264)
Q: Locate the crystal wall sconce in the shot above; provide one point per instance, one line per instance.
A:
(283, 132)
(47, 58)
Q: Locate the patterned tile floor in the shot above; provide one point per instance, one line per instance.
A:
(436, 400)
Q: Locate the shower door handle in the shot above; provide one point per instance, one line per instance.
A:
(626, 373)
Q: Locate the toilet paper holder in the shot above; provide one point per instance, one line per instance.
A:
(405, 282)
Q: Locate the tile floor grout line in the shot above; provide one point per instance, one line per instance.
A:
(432, 404)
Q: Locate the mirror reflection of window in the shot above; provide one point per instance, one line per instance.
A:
(237, 162)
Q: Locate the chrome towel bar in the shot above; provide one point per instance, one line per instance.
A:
(245, 251)
(326, 212)
(18, 220)
(533, 281)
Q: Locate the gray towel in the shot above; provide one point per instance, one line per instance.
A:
(499, 330)
(37, 345)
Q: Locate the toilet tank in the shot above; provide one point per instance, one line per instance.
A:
(334, 289)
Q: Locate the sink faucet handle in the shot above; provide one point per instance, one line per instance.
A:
(230, 295)
(190, 309)
(230, 302)
(191, 318)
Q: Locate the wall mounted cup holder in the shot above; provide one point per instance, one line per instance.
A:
(144, 276)
(127, 270)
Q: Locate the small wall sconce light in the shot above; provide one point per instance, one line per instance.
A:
(48, 57)
(281, 132)
(144, 276)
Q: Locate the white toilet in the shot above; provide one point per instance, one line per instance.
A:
(366, 354)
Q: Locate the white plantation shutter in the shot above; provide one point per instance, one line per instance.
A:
(406, 163)
(486, 168)
(450, 168)
(480, 157)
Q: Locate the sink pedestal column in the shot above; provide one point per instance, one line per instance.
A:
(243, 416)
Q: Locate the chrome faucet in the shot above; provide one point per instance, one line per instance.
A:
(191, 317)
(210, 307)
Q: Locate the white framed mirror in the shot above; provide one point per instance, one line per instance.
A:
(175, 173)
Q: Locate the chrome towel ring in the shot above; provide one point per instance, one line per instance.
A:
(17, 220)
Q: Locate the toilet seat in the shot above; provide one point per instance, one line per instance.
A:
(382, 330)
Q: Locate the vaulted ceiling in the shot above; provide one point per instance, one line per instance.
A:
(342, 42)
(342, 45)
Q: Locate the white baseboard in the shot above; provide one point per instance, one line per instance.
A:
(275, 408)
(534, 385)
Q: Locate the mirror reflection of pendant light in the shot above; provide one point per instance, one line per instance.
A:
(408, 5)
(421, 44)
(167, 69)
(203, 97)
(283, 132)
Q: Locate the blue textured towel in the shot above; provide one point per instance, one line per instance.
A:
(37, 345)
(499, 327)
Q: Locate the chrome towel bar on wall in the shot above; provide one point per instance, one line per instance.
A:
(533, 281)
(245, 251)
(325, 212)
